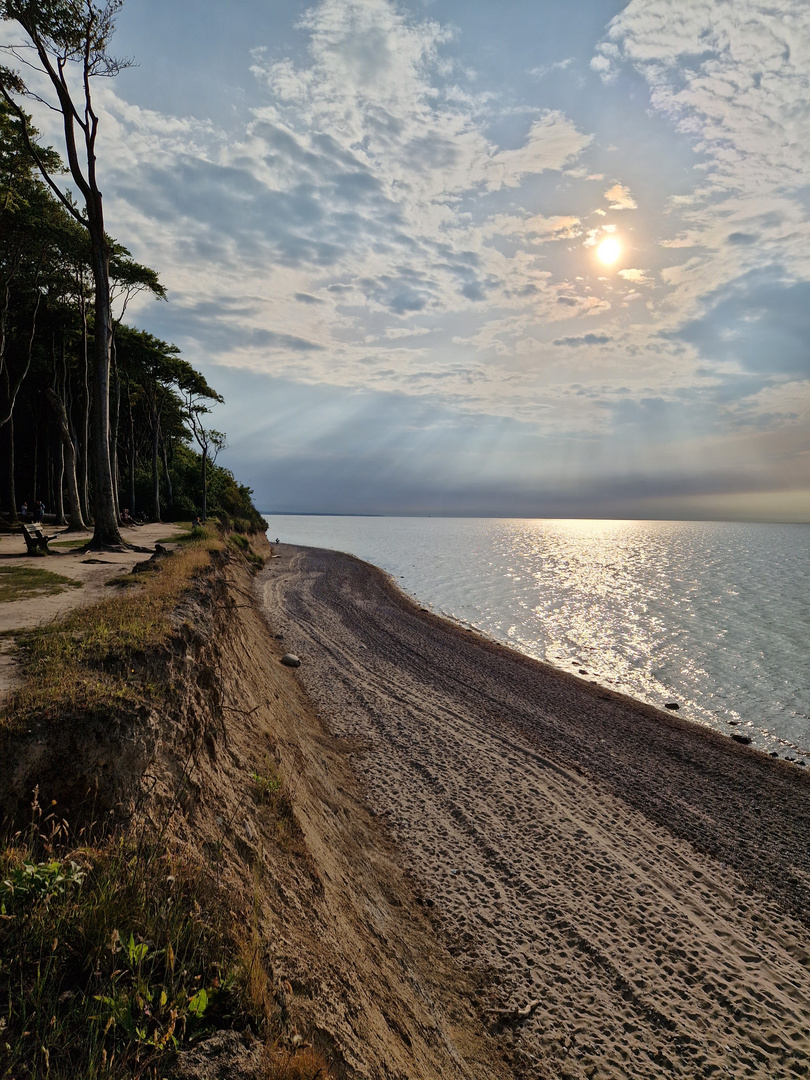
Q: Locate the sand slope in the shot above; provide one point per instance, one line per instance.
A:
(641, 887)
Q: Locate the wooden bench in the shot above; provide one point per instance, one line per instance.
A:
(35, 539)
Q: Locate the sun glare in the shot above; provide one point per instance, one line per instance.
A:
(609, 250)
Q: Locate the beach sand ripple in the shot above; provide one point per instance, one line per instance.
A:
(633, 890)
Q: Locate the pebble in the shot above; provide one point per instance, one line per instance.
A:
(290, 660)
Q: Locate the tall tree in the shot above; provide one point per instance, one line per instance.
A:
(65, 36)
(210, 441)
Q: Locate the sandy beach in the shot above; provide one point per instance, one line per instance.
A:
(630, 891)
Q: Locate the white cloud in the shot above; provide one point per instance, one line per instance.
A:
(619, 198)
(637, 277)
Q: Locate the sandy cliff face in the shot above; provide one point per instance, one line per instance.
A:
(354, 963)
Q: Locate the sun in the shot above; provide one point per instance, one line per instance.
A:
(609, 250)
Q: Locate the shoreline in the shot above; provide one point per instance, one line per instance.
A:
(646, 879)
(697, 645)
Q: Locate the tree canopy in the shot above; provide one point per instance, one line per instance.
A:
(77, 383)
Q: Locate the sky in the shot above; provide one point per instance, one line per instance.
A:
(380, 225)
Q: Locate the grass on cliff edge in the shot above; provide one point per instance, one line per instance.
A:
(117, 952)
(88, 662)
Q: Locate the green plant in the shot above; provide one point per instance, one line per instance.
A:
(20, 582)
(150, 1002)
(31, 882)
(80, 998)
(267, 788)
(271, 791)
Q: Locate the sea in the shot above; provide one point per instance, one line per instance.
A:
(711, 616)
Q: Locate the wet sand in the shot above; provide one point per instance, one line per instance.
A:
(633, 890)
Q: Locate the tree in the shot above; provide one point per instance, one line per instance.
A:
(67, 36)
(211, 443)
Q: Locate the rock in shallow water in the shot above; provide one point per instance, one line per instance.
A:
(290, 660)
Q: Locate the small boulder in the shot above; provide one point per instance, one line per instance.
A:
(672, 705)
(744, 739)
(290, 660)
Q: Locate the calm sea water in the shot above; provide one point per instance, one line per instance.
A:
(712, 615)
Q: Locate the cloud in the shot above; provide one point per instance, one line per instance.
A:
(637, 277)
(742, 238)
(760, 324)
(586, 339)
(552, 143)
(731, 77)
(619, 198)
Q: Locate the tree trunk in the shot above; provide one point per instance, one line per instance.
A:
(59, 490)
(155, 468)
(9, 456)
(205, 484)
(131, 442)
(166, 474)
(77, 523)
(114, 430)
(84, 438)
(35, 480)
(105, 533)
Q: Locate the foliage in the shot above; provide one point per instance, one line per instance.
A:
(274, 793)
(51, 337)
(110, 960)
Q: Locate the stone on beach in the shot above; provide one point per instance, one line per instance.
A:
(290, 660)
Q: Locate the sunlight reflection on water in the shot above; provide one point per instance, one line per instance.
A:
(712, 615)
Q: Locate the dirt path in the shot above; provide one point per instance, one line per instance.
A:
(639, 887)
(91, 571)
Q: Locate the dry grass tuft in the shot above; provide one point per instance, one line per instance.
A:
(92, 661)
(304, 1064)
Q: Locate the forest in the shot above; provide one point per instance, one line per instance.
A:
(163, 448)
